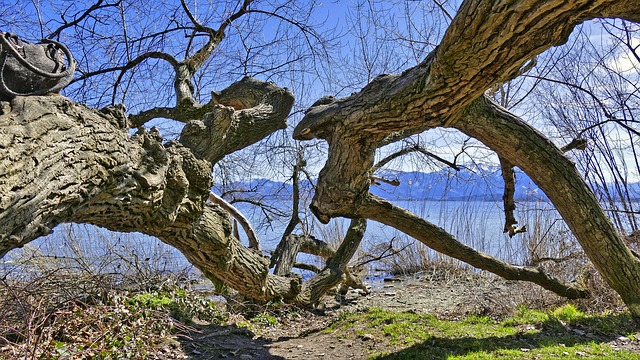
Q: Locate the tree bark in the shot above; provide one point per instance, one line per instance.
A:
(65, 162)
(558, 177)
(488, 42)
(336, 270)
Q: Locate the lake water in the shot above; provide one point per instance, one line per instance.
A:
(477, 223)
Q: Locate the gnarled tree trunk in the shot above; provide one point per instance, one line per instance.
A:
(64, 162)
(488, 42)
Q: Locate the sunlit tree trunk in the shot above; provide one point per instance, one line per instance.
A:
(486, 43)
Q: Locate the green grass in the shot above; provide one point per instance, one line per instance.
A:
(563, 333)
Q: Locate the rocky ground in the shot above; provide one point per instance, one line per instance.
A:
(280, 331)
(301, 336)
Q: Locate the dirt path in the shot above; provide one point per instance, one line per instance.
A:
(302, 337)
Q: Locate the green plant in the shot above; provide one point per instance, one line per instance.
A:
(528, 334)
(115, 324)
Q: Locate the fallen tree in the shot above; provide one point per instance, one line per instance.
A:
(66, 162)
(486, 43)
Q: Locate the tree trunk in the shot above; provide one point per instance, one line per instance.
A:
(558, 177)
(65, 162)
(488, 42)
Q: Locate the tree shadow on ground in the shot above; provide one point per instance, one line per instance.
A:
(224, 342)
(552, 337)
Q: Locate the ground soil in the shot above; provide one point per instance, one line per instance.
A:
(301, 335)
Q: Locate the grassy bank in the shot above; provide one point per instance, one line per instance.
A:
(564, 332)
(40, 321)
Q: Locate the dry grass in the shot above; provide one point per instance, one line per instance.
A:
(73, 317)
(68, 297)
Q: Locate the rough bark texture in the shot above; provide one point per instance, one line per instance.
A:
(243, 114)
(558, 177)
(508, 200)
(64, 162)
(336, 270)
(488, 42)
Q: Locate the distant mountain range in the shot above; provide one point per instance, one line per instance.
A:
(444, 185)
(447, 185)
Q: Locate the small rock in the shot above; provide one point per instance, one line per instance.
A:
(624, 339)
(565, 353)
(390, 293)
(299, 346)
(581, 353)
(367, 337)
(525, 349)
(579, 332)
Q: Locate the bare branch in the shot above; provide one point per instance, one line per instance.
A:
(405, 151)
(98, 5)
(577, 143)
(601, 105)
(509, 177)
(131, 64)
(254, 242)
(295, 212)
(446, 13)
(336, 270)
(308, 267)
(380, 210)
(389, 251)
(215, 36)
(376, 180)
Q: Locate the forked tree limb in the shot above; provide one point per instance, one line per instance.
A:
(410, 149)
(335, 270)
(438, 239)
(556, 175)
(77, 164)
(294, 220)
(291, 245)
(242, 115)
(488, 42)
(187, 108)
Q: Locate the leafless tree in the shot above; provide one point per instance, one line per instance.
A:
(68, 162)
